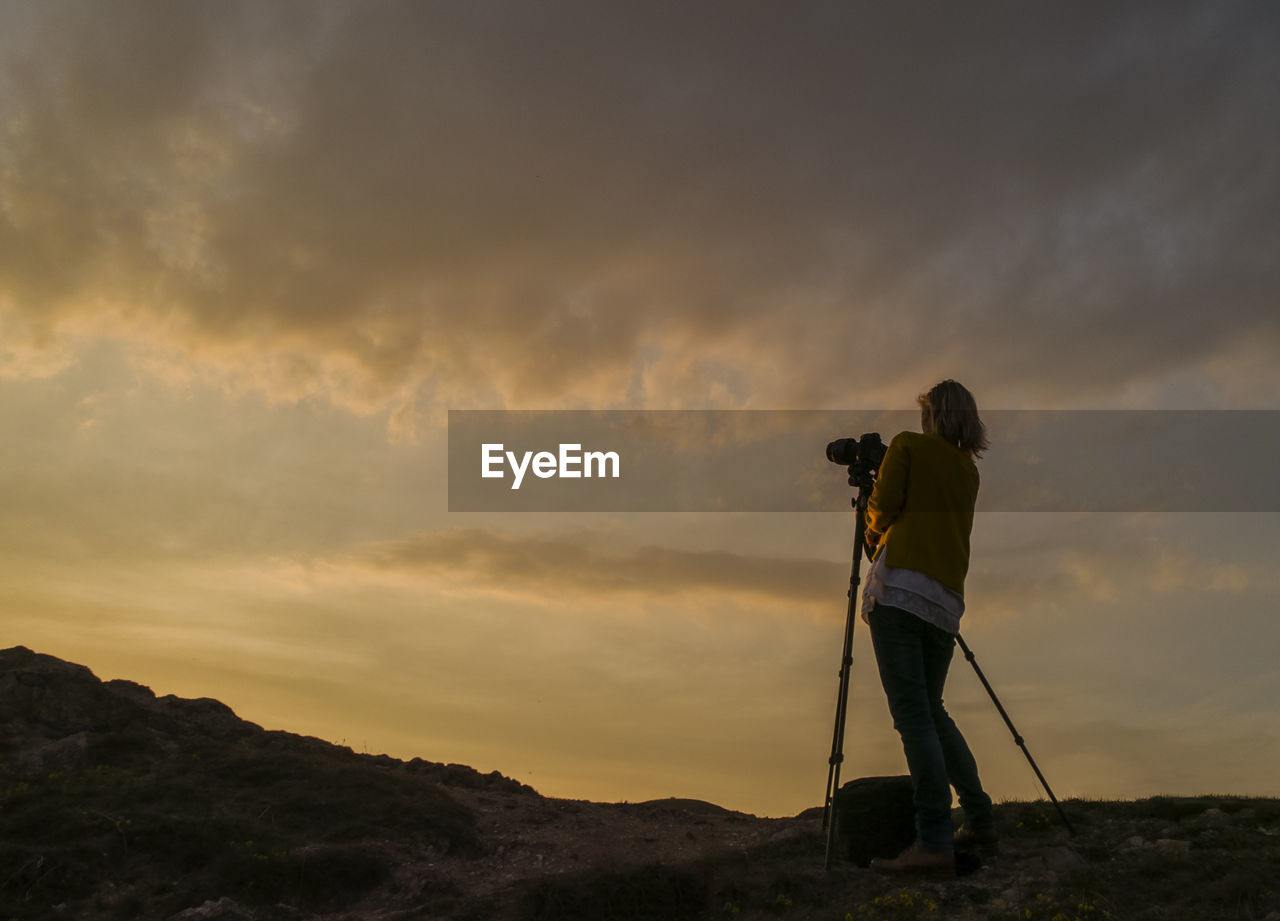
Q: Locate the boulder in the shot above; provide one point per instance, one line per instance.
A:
(70, 753)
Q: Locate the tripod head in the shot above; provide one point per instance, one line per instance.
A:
(862, 475)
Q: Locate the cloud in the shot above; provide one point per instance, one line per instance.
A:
(1060, 567)
(398, 206)
(578, 567)
(27, 355)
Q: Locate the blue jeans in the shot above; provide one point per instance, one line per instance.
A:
(913, 656)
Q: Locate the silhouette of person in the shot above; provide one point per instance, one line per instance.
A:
(919, 518)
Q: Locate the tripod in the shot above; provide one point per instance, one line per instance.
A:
(862, 479)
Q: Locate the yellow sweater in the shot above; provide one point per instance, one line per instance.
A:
(921, 510)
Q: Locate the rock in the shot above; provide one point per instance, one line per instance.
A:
(67, 754)
(131, 689)
(43, 698)
(1133, 844)
(1062, 859)
(225, 909)
(785, 834)
(1173, 847)
(1214, 818)
(1273, 916)
(204, 714)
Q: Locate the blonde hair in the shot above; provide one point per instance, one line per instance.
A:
(951, 411)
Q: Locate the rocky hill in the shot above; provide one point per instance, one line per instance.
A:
(117, 804)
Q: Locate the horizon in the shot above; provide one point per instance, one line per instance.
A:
(251, 258)
(344, 744)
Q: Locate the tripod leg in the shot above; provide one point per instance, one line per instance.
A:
(968, 654)
(837, 735)
(842, 699)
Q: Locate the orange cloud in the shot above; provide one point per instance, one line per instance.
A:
(552, 569)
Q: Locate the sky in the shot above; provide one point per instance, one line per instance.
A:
(252, 254)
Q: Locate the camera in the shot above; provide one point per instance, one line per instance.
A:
(862, 456)
(866, 452)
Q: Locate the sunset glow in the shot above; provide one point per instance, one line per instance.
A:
(252, 254)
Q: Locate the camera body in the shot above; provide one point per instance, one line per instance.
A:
(862, 456)
(867, 451)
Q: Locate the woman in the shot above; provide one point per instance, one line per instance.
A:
(919, 518)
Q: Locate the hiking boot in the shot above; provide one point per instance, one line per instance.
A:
(916, 861)
(982, 839)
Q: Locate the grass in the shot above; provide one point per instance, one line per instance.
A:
(265, 820)
(149, 828)
(648, 893)
(1229, 874)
